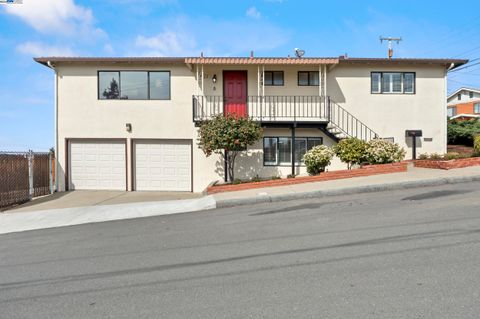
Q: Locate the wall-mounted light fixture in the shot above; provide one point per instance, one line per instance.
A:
(214, 78)
(128, 127)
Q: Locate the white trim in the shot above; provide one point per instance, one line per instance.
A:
(473, 116)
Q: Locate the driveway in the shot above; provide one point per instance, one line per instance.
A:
(96, 198)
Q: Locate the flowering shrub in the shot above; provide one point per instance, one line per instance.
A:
(351, 151)
(317, 159)
(382, 152)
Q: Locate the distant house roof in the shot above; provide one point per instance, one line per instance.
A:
(463, 89)
(472, 116)
(252, 60)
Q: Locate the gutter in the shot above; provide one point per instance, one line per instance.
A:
(50, 65)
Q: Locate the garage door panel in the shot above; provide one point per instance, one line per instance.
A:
(97, 164)
(163, 165)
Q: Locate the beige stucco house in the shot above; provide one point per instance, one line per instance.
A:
(131, 123)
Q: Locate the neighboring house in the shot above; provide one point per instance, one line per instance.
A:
(131, 123)
(464, 104)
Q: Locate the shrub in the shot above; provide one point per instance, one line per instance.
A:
(451, 156)
(317, 159)
(435, 156)
(423, 156)
(463, 132)
(256, 179)
(382, 152)
(351, 151)
(275, 178)
(476, 145)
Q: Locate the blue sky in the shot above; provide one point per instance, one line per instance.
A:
(178, 28)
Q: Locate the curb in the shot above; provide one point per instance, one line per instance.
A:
(346, 191)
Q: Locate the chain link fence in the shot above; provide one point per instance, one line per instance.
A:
(24, 175)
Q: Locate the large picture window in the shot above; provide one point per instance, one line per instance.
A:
(393, 82)
(134, 85)
(277, 151)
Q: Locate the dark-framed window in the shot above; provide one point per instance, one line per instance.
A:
(134, 85)
(470, 94)
(273, 78)
(392, 83)
(308, 78)
(451, 111)
(459, 96)
(277, 150)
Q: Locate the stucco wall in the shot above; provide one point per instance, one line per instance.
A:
(391, 114)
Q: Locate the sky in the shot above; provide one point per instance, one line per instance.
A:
(435, 29)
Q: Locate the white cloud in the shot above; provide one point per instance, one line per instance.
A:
(166, 43)
(37, 49)
(57, 17)
(252, 12)
(181, 36)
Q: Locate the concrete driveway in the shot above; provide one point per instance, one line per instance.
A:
(95, 198)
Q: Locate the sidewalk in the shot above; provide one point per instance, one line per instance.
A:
(414, 177)
(13, 221)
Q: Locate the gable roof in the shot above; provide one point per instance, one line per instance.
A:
(463, 89)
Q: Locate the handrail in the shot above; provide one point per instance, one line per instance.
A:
(348, 124)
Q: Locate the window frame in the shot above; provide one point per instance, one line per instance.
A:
(459, 96)
(273, 78)
(454, 112)
(148, 85)
(381, 86)
(476, 108)
(470, 95)
(287, 164)
(309, 78)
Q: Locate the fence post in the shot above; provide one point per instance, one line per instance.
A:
(30, 174)
(50, 172)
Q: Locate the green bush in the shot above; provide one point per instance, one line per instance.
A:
(476, 145)
(317, 159)
(435, 156)
(423, 156)
(463, 132)
(383, 152)
(351, 151)
(451, 156)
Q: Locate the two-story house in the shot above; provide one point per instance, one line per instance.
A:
(464, 104)
(131, 123)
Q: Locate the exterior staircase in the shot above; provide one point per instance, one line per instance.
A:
(342, 124)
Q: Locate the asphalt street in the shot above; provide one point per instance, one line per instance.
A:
(402, 254)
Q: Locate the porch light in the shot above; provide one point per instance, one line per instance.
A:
(214, 78)
(128, 127)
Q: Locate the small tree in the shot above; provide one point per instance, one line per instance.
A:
(351, 151)
(228, 135)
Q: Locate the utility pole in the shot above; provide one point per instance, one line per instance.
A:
(390, 39)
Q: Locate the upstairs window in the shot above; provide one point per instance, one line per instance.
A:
(459, 96)
(393, 82)
(273, 78)
(308, 78)
(470, 94)
(134, 85)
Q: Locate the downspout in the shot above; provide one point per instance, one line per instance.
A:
(50, 65)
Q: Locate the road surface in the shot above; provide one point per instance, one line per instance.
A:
(402, 254)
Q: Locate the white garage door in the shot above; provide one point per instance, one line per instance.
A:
(97, 164)
(163, 165)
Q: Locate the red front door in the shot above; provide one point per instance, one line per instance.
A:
(235, 92)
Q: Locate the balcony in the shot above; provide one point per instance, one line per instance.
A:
(290, 111)
(265, 109)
